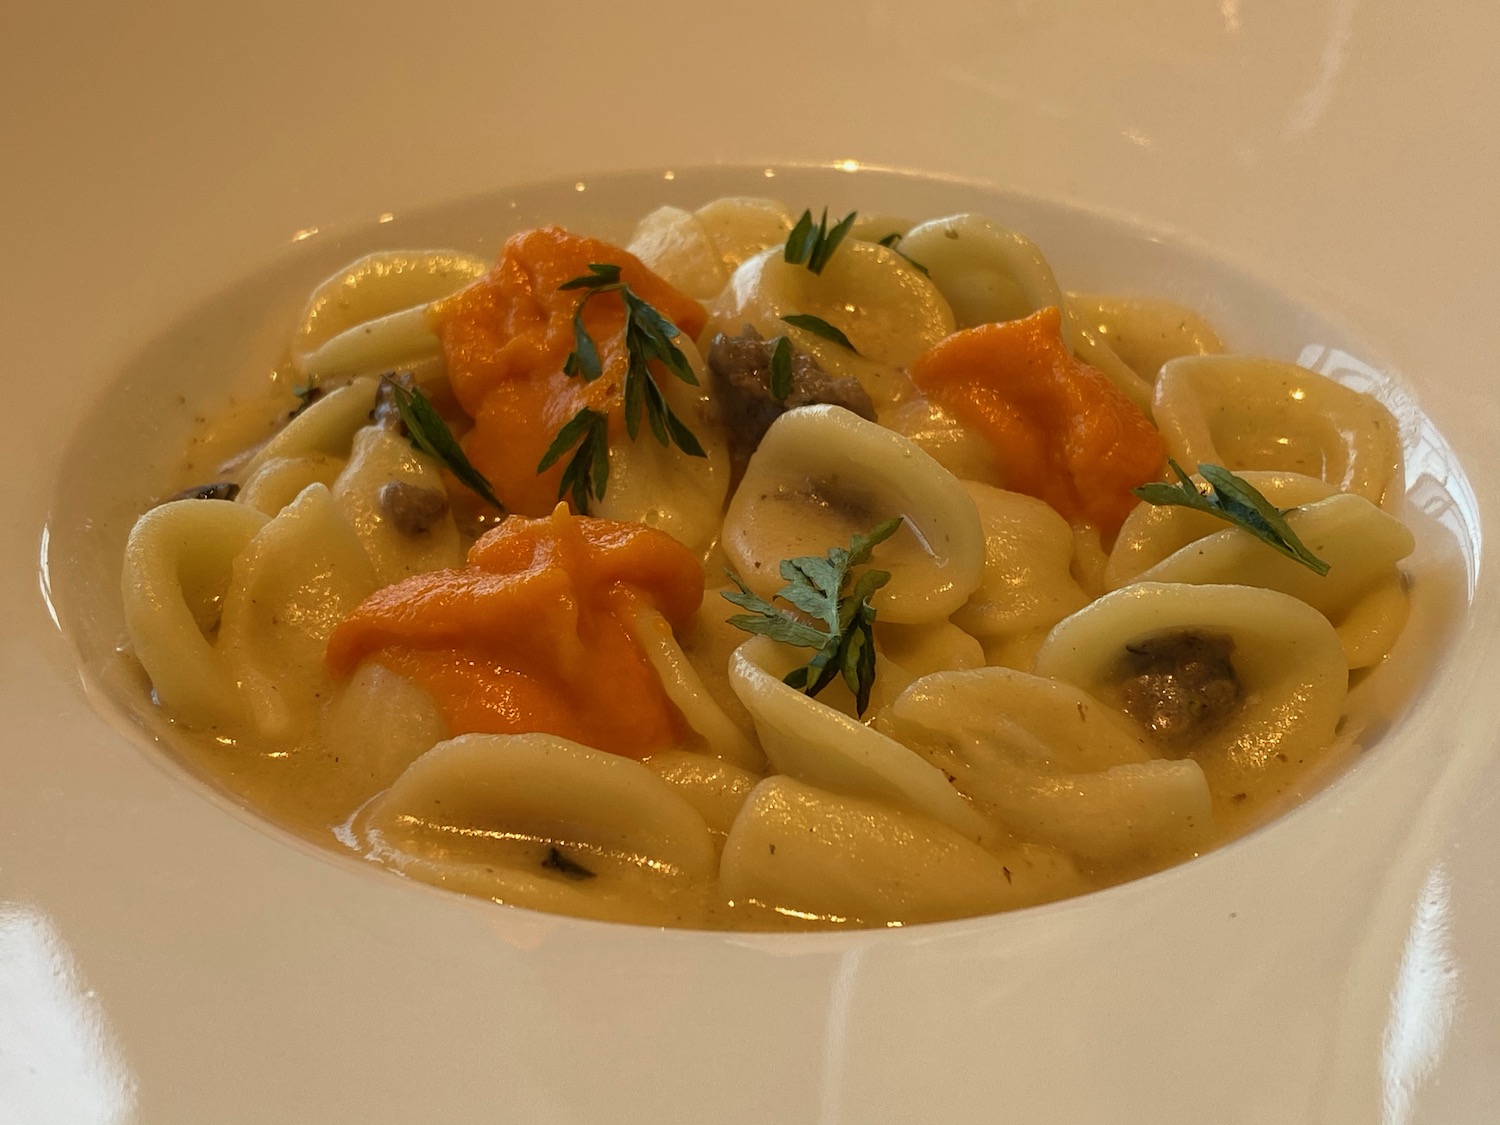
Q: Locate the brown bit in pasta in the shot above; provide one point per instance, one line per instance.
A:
(1180, 686)
(742, 390)
(412, 508)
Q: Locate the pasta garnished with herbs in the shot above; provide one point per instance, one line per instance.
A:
(772, 572)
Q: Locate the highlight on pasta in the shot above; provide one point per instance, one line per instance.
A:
(776, 570)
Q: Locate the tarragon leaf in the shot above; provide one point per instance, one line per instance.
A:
(648, 337)
(819, 327)
(429, 433)
(1235, 501)
(812, 246)
(892, 241)
(781, 368)
(600, 275)
(587, 471)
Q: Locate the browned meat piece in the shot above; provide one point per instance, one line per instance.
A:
(412, 508)
(1180, 686)
(742, 390)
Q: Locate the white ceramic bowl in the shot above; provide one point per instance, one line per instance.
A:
(168, 958)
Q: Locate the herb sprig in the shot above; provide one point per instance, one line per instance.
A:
(813, 246)
(892, 241)
(819, 327)
(1235, 501)
(781, 368)
(649, 337)
(429, 433)
(841, 615)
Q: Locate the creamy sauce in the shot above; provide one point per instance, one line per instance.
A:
(304, 780)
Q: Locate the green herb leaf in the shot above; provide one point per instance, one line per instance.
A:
(430, 434)
(1235, 501)
(799, 244)
(819, 327)
(781, 368)
(841, 628)
(813, 247)
(602, 274)
(893, 240)
(649, 337)
(587, 471)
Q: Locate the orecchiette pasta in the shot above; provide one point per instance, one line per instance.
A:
(1248, 413)
(822, 474)
(372, 315)
(646, 585)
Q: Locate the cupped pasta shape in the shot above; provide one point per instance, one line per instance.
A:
(823, 474)
(716, 788)
(380, 722)
(990, 273)
(515, 801)
(1361, 545)
(965, 453)
(1244, 412)
(1153, 532)
(660, 485)
(878, 226)
(676, 246)
(178, 564)
(1146, 332)
(380, 456)
(1284, 654)
(1027, 582)
(887, 309)
(717, 732)
(741, 226)
(301, 574)
(371, 316)
(838, 859)
(1051, 764)
(815, 743)
(277, 481)
(919, 650)
(326, 427)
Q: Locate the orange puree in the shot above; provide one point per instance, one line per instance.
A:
(507, 336)
(1061, 430)
(533, 634)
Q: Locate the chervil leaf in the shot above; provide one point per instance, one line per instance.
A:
(819, 327)
(862, 546)
(1235, 501)
(820, 589)
(430, 434)
(767, 620)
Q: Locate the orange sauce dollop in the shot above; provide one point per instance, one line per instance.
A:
(1061, 430)
(534, 633)
(507, 336)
